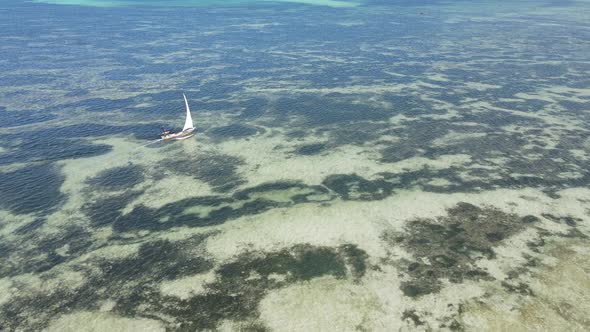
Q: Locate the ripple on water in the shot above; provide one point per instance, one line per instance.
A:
(116, 3)
(32, 189)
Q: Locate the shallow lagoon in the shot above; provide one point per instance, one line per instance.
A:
(392, 166)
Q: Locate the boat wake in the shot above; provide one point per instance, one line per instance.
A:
(150, 143)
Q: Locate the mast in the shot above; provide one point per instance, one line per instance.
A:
(188, 123)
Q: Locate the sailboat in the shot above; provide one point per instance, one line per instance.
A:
(188, 129)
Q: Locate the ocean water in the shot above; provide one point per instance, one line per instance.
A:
(199, 3)
(357, 165)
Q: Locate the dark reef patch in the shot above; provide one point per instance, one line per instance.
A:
(98, 104)
(410, 105)
(399, 151)
(575, 107)
(118, 178)
(218, 170)
(529, 105)
(105, 211)
(217, 209)
(296, 134)
(133, 283)
(452, 245)
(357, 259)
(411, 315)
(519, 287)
(328, 109)
(35, 151)
(50, 144)
(568, 220)
(120, 280)
(253, 108)
(33, 189)
(232, 131)
(302, 262)
(240, 285)
(22, 80)
(39, 253)
(354, 187)
(30, 227)
(415, 138)
(277, 187)
(158, 103)
(77, 93)
(418, 138)
(158, 260)
(355, 133)
(23, 117)
(33, 311)
(310, 149)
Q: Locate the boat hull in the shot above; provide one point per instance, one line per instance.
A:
(179, 136)
(184, 137)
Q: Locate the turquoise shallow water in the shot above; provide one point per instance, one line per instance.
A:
(389, 166)
(199, 3)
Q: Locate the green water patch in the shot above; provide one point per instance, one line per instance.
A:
(450, 246)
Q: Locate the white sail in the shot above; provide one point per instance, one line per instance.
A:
(188, 124)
